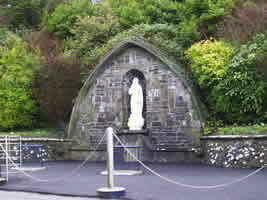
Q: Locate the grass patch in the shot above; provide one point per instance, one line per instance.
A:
(242, 130)
(42, 132)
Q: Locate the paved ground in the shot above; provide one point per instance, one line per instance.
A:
(147, 186)
(34, 196)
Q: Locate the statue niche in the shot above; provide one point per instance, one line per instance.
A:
(134, 101)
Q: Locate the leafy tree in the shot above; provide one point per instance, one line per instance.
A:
(26, 13)
(61, 21)
(58, 84)
(90, 32)
(241, 93)
(18, 108)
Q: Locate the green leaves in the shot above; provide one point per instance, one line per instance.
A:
(92, 31)
(61, 21)
(17, 105)
(209, 61)
(25, 13)
(231, 80)
(243, 86)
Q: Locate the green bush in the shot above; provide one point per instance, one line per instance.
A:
(18, 108)
(61, 21)
(135, 12)
(92, 31)
(58, 84)
(25, 13)
(195, 19)
(231, 82)
(209, 61)
(3, 36)
(241, 93)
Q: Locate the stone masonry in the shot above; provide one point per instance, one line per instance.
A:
(172, 121)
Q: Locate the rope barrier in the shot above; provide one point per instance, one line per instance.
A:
(145, 166)
(75, 170)
(188, 185)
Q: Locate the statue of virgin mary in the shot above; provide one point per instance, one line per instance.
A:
(136, 120)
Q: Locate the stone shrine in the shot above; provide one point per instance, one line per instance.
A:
(172, 122)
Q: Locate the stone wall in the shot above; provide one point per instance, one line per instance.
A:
(235, 151)
(172, 118)
(51, 149)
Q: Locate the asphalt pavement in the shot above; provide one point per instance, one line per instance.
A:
(35, 196)
(85, 182)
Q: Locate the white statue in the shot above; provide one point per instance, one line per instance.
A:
(136, 120)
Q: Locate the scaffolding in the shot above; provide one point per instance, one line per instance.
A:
(10, 154)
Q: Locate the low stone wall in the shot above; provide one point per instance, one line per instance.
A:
(235, 151)
(52, 149)
(222, 151)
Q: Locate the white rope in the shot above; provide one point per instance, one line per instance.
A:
(57, 179)
(188, 185)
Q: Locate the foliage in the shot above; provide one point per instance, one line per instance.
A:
(233, 87)
(49, 46)
(212, 126)
(18, 108)
(25, 13)
(33, 133)
(51, 5)
(61, 21)
(135, 12)
(4, 32)
(243, 130)
(209, 61)
(241, 93)
(198, 18)
(93, 31)
(161, 35)
(239, 27)
(58, 84)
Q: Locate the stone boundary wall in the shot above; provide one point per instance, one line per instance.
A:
(54, 149)
(234, 151)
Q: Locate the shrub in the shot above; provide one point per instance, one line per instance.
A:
(61, 21)
(4, 32)
(132, 12)
(49, 46)
(26, 13)
(241, 93)
(129, 13)
(18, 107)
(209, 60)
(205, 14)
(58, 84)
(93, 31)
(239, 27)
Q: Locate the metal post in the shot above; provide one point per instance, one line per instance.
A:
(20, 152)
(110, 191)
(110, 159)
(6, 153)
